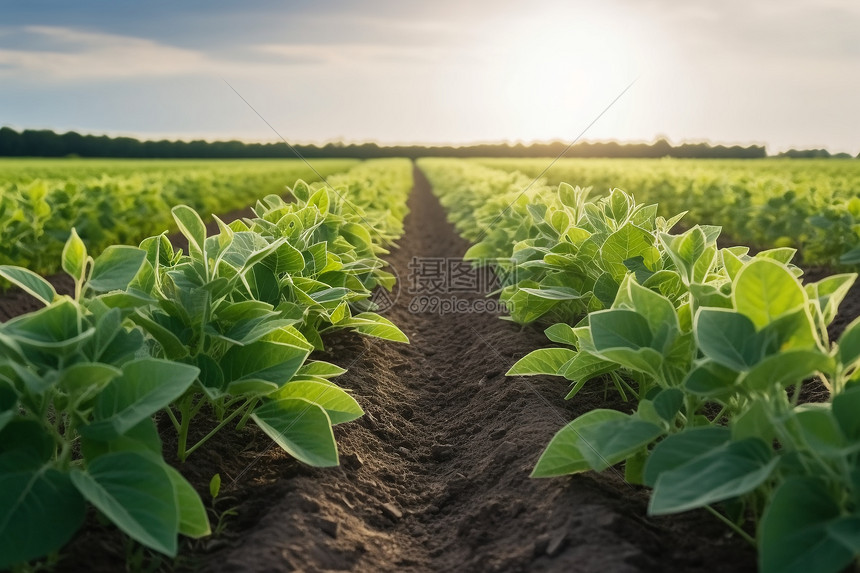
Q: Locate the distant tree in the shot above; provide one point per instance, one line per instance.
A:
(805, 154)
(46, 143)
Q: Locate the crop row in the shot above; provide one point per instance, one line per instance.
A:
(223, 331)
(123, 202)
(811, 205)
(714, 347)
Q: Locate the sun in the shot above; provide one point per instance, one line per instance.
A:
(546, 76)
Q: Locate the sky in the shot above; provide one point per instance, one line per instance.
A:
(782, 73)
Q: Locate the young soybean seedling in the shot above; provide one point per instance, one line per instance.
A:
(216, 308)
(77, 393)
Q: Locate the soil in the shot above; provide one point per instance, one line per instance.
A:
(435, 476)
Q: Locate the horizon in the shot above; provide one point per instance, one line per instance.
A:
(431, 144)
(782, 75)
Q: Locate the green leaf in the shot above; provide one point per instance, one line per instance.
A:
(645, 360)
(586, 366)
(340, 406)
(29, 282)
(41, 512)
(732, 263)
(845, 408)
(595, 440)
(819, 429)
(829, 292)
(263, 360)
(723, 336)
(619, 205)
(685, 250)
(191, 226)
(55, 328)
(849, 344)
(215, 486)
(74, 257)
(710, 296)
(301, 428)
(847, 531)
(679, 449)
(553, 293)
(301, 191)
(619, 328)
(615, 438)
(87, 376)
(289, 259)
(561, 333)
(28, 441)
(251, 387)
(781, 254)
(567, 196)
(173, 347)
(723, 473)
(115, 268)
(141, 438)
(146, 386)
(626, 243)
(753, 422)
(764, 290)
(136, 493)
(524, 307)
(795, 534)
(785, 368)
(371, 324)
(8, 404)
(711, 379)
(320, 369)
(549, 361)
(657, 310)
(668, 403)
(193, 521)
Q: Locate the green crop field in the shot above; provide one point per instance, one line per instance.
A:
(122, 201)
(708, 347)
(812, 205)
(701, 351)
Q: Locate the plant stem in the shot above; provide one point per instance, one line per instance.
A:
(244, 420)
(185, 414)
(214, 431)
(732, 525)
(173, 419)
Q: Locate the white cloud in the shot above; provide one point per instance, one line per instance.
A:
(74, 55)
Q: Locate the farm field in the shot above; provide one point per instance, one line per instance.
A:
(435, 475)
(442, 433)
(121, 201)
(811, 205)
(430, 287)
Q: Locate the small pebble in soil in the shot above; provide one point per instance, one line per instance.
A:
(541, 543)
(556, 543)
(391, 511)
(404, 451)
(441, 452)
(498, 434)
(329, 527)
(352, 461)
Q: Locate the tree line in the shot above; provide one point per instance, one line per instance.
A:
(47, 143)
